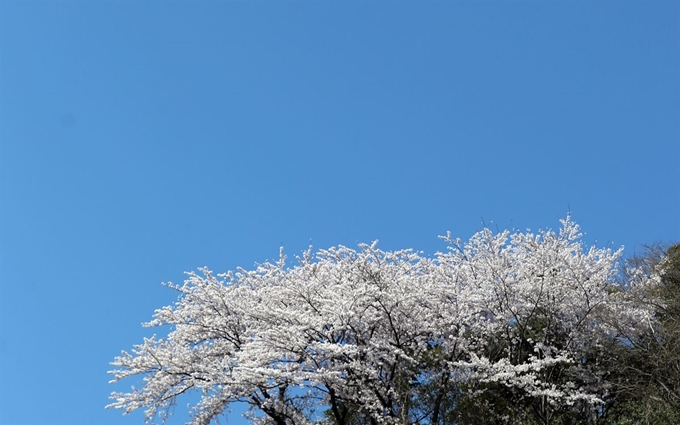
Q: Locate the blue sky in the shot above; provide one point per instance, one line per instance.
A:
(139, 140)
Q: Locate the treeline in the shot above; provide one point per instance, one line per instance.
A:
(514, 328)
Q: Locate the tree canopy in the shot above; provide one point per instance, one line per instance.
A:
(508, 327)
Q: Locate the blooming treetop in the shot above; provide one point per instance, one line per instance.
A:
(386, 336)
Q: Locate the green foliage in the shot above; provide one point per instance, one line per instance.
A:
(646, 373)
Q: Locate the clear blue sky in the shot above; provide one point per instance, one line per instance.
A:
(139, 140)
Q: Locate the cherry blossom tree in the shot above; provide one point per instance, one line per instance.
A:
(507, 325)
